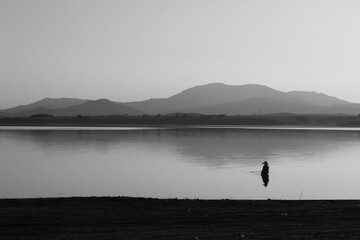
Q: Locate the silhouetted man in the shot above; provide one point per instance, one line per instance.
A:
(265, 173)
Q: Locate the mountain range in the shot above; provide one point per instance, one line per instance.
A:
(72, 107)
(213, 98)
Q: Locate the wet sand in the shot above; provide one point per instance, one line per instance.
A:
(143, 218)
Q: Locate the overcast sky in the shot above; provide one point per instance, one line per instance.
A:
(134, 50)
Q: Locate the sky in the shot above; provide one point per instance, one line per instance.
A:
(134, 50)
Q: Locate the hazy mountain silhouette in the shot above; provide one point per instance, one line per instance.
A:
(263, 105)
(218, 98)
(3, 113)
(315, 98)
(351, 108)
(213, 98)
(51, 103)
(91, 108)
(205, 95)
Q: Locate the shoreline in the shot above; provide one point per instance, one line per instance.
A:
(188, 120)
(151, 218)
(188, 126)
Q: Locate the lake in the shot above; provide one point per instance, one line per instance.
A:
(175, 162)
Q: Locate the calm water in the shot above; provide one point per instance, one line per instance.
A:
(184, 163)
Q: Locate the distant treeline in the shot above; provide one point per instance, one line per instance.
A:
(41, 115)
(188, 119)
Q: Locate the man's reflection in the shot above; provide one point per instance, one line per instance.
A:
(265, 173)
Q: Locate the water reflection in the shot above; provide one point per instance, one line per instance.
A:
(222, 148)
(203, 163)
(215, 148)
(265, 173)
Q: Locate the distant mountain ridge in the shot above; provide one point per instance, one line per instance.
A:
(90, 108)
(51, 103)
(315, 98)
(205, 95)
(213, 98)
(261, 105)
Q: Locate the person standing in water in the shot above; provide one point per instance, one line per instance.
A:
(265, 173)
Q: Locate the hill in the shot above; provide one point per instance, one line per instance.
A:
(261, 105)
(90, 108)
(51, 103)
(213, 98)
(218, 98)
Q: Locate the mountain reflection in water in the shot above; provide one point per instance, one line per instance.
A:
(207, 147)
(179, 162)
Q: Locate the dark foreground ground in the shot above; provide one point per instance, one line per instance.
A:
(137, 218)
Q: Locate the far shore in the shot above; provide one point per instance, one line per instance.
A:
(148, 218)
(175, 126)
(284, 120)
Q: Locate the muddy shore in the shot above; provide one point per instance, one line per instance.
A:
(143, 218)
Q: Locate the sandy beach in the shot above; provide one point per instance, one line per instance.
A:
(144, 218)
